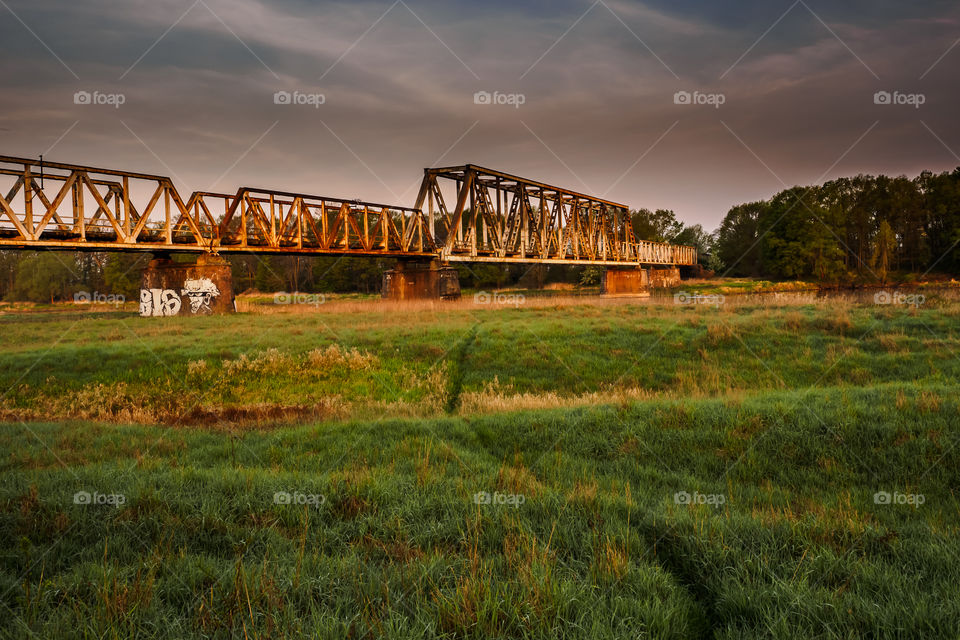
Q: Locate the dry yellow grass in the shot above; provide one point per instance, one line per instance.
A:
(496, 401)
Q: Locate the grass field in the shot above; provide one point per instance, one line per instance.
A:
(560, 467)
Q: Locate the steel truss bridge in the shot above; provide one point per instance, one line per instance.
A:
(472, 215)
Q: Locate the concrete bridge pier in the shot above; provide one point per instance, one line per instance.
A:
(625, 281)
(169, 288)
(417, 280)
(664, 277)
(637, 281)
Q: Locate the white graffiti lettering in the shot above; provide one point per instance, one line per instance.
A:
(159, 302)
(167, 302)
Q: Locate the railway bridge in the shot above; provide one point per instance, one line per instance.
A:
(464, 213)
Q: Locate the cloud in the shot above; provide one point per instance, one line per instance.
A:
(399, 93)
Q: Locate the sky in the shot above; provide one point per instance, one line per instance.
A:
(693, 106)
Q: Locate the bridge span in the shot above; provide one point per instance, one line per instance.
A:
(464, 213)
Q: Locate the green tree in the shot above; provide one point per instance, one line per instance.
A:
(660, 225)
(883, 248)
(121, 273)
(737, 243)
(591, 276)
(802, 237)
(9, 261)
(941, 225)
(268, 274)
(694, 236)
(45, 277)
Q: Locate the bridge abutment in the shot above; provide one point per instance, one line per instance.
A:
(432, 280)
(169, 288)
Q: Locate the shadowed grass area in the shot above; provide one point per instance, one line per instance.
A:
(381, 534)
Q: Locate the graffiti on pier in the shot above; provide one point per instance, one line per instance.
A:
(159, 302)
(199, 292)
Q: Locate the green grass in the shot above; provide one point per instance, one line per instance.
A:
(63, 365)
(789, 417)
(599, 548)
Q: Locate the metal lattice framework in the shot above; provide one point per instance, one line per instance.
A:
(55, 205)
(283, 222)
(496, 217)
(499, 217)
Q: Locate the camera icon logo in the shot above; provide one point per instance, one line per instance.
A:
(282, 497)
(282, 97)
(682, 97)
(682, 297)
(82, 297)
(882, 297)
(481, 297)
(482, 97)
(82, 497)
(481, 497)
(82, 97)
(882, 497)
(882, 97)
(681, 497)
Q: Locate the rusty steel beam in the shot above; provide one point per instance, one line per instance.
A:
(285, 222)
(52, 205)
(499, 217)
(496, 217)
(89, 208)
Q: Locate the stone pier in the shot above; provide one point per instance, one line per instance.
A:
(421, 281)
(664, 277)
(618, 281)
(637, 281)
(169, 288)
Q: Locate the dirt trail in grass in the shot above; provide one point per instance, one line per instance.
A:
(458, 369)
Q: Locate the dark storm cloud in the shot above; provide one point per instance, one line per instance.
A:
(598, 81)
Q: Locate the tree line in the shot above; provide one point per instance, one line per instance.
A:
(848, 230)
